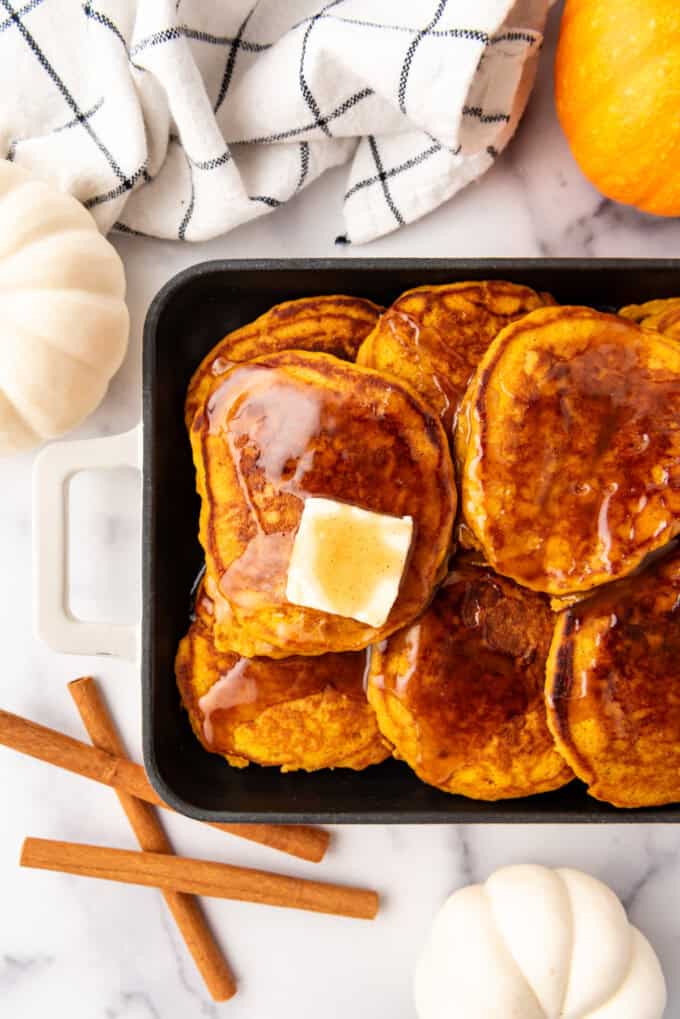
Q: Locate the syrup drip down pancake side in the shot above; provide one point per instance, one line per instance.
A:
(568, 445)
(294, 713)
(613, 687)
(297, 424)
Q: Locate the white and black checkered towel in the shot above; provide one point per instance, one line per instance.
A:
(184, 118)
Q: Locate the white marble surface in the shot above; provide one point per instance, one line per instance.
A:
(90, 950)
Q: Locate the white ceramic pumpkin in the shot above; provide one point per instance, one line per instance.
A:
(535, 943)
(63, 319)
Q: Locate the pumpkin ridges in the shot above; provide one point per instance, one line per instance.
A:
(74, 260)
(68, 324)
(48, 410)
(21, 436)
(533, 942)
(65, 322)
(24, 222)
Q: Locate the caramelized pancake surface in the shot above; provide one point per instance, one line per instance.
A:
(613, 687)
(459, 693)
(662, 316)
(569, 449)
(433, 337)
(334, 324)
(296, 424)
(294, 713)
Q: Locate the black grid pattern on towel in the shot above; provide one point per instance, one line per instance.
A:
(384, 175)
(73, 122)
(410, 52)
(66, 94)
(234, 47)
(15, 17)
(320, 121)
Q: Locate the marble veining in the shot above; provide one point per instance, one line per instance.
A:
(184, 967)
(14, 969)
(462, 850)
(133, 1005)
(91, 950)
(662, 863)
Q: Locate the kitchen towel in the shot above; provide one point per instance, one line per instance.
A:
(184, 118)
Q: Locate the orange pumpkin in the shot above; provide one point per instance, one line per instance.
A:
(617, 88)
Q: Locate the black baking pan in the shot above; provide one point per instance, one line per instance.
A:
(185, 320)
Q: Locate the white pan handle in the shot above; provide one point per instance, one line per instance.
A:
(53, 621)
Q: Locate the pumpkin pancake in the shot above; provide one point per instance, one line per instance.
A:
(295, 713)
(662, 316)
(334, 324)
(434, 336)
(298, 424)
(459, 693)
(568, 444)
(613, 687)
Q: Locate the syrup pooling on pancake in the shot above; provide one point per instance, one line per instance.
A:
(569, 446)
(569, 452)
(460, 692)
(284, 437)
(433, 337)
(613, 686)
(294, 712)
(334, 324)
(294, 425)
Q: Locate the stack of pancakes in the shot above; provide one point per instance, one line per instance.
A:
(536, 632)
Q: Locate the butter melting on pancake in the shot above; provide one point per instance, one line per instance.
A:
(347, 560)
(293, 425)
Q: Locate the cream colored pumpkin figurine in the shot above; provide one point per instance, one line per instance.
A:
(535, 943)
(64, 323)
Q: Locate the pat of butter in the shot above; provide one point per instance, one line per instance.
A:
(348, 561)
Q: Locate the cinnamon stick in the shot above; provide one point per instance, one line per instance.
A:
(56, 748)
(198, 877)
(185, 909)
